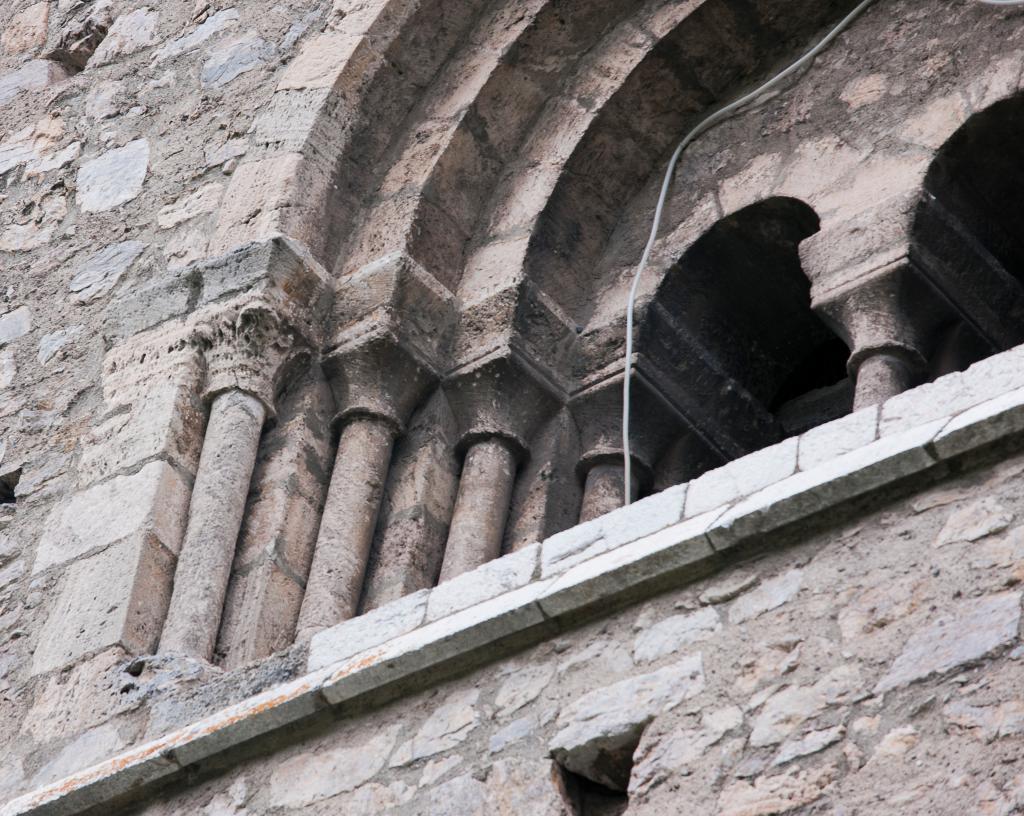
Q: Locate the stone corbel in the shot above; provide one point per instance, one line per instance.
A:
(393, 322)
(248, 341)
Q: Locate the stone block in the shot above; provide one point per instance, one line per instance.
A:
(117, 597)
(826, 442)
(114, 178)
(616, 573)
(32, 76)
(152, 503)
(26, 31)
(484, 583)
(741, 477)
(130, 33)
(448, 642)
(14, 324)
(954, 393)
(969, 631)
(846, 477)
(368, 631)
(985, 423)
(577, 544)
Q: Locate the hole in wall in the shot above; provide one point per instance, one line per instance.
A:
(80, 38)
(8, 484)
(589, 798)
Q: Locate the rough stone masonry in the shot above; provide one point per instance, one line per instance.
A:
(311, 343)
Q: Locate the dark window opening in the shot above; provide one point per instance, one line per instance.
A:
(589, 798)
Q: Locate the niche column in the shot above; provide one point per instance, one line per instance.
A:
(393, 319)
(499, 402)
(249, 343)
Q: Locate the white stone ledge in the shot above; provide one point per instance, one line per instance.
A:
(529, 595)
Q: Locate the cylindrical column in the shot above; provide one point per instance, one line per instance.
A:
(214, 519)
(481, 507)
(346, 530)
(880, 376)
(602, 491)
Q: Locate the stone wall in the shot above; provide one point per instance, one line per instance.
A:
(208, 211)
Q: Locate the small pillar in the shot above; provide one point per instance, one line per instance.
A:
(499, 403)
(246, 349)
(603, 489)
(379, 370)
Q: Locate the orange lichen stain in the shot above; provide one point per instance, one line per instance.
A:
(357, 665)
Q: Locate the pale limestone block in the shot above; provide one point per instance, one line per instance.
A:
(438, 768)
(116, 598)
(970, 630)
(32, 76)
(809, 744)
(484, 583)
(130, 33)
(826, 442)
(884, 462)
(776, 794)
(584, 541)
(992, 420)
(211, 26)
(604, 722)
(312, 776)
(975, 521)
(114, 178)
(954, 393)
(237, 56)
(787, 709)
(367, 631)
(26, 31)
(150, 504)
(204, 200)
(448, 725)
(741, 477)
(14, 324)
(771, 594)
(523, 686)
(682, 547)
(671, 634)
(442, 643)
(989, 722)
(90, 748)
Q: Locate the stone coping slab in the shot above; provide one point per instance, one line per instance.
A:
(669, 539)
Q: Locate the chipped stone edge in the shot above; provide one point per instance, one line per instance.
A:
(681, 551)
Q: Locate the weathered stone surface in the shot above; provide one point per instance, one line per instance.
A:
(90, 748)
(523, 686)
(146, 504)
(514, 786)
(992, 420)
(234, 57)
(826, 442)
(670, 635)
(730, 588)
(786, 710)
(678, 751)
(114, 178)
(770, 795)
(204, 200)
(14, 324)
(969, 631)
(489, 581)
(116, 598)
(130, 33)
(26, 31)
(991, 722)
(741, 477)
(32, 76)
(976, 520)
(103, 271)
(605, 723)
(366, 631)
(771, 594)
(212, 26)
(312, 777)
(51, 344)
(809, 744)
(450, 724)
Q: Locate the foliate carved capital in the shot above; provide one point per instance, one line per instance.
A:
(248, 348)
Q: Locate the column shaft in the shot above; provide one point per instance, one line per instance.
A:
(481, 508)
(880, 377)
(603, 492)
(214, 519)
(346, 530)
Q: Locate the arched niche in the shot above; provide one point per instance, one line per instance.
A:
(967, 237)
(731, 327)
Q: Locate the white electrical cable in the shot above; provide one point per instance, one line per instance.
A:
(706, 124)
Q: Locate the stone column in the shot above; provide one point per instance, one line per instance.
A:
(482, 505)
(499, 402)
(245, 350)
(391, 318)
(603, 489)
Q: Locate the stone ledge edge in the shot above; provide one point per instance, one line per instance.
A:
(683, 549)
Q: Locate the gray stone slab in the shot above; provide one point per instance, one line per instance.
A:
(883, 462)
(826, 442)
(981, 425)
(741, 477)
(495, 578)
(367, 631)
(634, 564)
